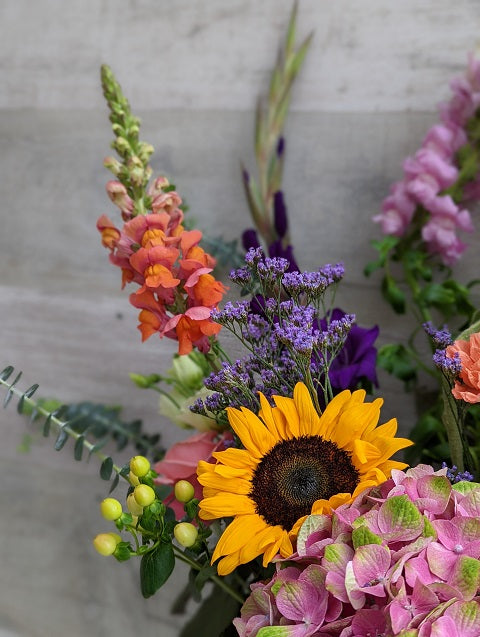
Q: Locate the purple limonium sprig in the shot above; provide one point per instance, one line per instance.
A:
(441, 338)
(454, 475)
(288, 338)
(450, 366)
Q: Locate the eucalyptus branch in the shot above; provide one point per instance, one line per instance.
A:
(64, 428)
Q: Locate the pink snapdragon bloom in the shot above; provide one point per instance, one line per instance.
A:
(402, 559)
(432, 171)
(181, 460)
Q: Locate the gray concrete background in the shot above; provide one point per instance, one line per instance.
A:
(367, 94)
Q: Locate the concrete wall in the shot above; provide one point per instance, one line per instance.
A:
(368, 92)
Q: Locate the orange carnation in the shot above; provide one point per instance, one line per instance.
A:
(467, 387)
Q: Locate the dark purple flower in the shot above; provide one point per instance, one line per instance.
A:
(250, 239)
(280, 219)
(357, 360)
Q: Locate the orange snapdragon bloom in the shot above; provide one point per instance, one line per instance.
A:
(176, 291)
(192, 329)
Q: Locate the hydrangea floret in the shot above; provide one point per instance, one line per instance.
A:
(402, 559)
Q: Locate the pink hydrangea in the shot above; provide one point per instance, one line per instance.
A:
(402, 559)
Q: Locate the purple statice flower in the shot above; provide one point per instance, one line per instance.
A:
(333, 273)
(272, 268)
(441, 338)
(254, 256)
(454, 475)
(452, 366)
(300, 339)
(356, 361)
(241, 276)
(232, 313)
(312, 283)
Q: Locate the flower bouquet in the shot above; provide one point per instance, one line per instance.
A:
(288, 503)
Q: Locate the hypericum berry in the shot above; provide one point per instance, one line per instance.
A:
(144, 495)
(184, 491)
(186, 534)
(106, 543)
(133, 506)
(139, 466)
(111, 509)
(132, 478)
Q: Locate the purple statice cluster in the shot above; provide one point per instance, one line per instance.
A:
(451, 364)
(454, 475)
(403, 559)
(441, 338)
(290, 335)
(441, 177)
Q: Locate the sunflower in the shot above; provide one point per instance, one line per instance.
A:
(294, 463)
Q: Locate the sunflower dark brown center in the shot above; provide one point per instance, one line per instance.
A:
(295, 473)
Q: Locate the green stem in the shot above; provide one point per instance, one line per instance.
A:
(452, 425)
(215, 578)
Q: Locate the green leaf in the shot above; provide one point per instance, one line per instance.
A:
(115, 482)
(106, 468)
(61, 440)
(396, 360)
(155, 568)
(438, 295)
(78, 449)
(214, 615)
(393, 294)
(26, 394)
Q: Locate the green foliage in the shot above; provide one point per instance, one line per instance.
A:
(63, 426)
(384, 248)
(396, 360)
(156, 567)
(393, 294)
(213, 617)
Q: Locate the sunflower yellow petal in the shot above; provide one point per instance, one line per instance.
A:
(363, 452)
(222, 484)
(387, 430)
(260, 542)
(228, 563)
(329, 419)
(239, 458)
(251, 431)
(287, 408)
(307, 414)
(276, 426)
(237, 534)
(225, 506)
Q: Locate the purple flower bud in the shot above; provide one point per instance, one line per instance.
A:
(250, 239)
(280, 219)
